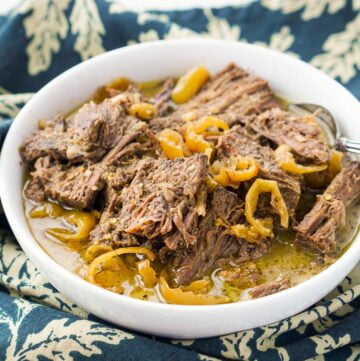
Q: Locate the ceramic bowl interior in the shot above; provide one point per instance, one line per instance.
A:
(288, 76)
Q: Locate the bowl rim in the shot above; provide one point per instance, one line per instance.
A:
(38, 253)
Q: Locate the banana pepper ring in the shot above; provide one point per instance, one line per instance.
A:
(189, 84)
(234, 170)
(172, 144)
(147, 273)
(47, 209)
(247, 232)
(277, 201)
(180, 297)
(195, 132)
(198, 286)
(143, 111)
(85, 222)
(250, 233)
(95, 266)
(204, 125)
(96, 250)
(287, 162)
(335, 162)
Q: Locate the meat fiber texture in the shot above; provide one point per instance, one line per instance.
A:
(102, 156)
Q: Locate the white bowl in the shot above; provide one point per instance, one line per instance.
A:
(287, 75)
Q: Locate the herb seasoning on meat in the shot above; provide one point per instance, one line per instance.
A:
(203, 190)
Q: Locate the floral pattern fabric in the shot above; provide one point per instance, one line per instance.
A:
(40, 39)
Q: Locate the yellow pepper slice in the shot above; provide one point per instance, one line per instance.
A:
(219, 174)
(96, 250)
(202, 125)
(196, 142)
(242, 169)
(113, 273)
(85, 222)
(247, 232)
(147, 273)
(250, 233)
(119, 83)
(180, 297)
(96, 265)
(234, 170)
(172, 144)
(335, 162)
(47, 209)
(277, 201)
(195, 132)
(199, 286)
(287, 162)
(189, 84)
(143, 111)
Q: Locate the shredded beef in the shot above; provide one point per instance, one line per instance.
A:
(269, 288)
(238, 142)
(137, 143)
(102, 158)
(215, 247)
(162, 100)
(318, 228)
(157, 200)
(86, 135)
(75, 186)
(231, 94)
(302, 135)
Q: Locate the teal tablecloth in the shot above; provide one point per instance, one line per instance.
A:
(40, 39)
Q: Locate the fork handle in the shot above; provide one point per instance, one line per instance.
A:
(347, 145)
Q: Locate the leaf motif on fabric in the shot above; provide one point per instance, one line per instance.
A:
(19, 275)
(311, 9)
(267, 340)
(271, 332)
(322, 324)
(145, 17)
(45, 25)
(10, 104)
(88, 28)
(236, 345)
(66, 338)
(342, 53)
(281, 41)
(326, 343)
(117, 7)
(219, 28)
(355, 353)
(13, 322)
(150, 35)
(216, 28)
(61, 337)
(354, 277)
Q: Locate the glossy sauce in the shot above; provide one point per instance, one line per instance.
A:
(283, 259)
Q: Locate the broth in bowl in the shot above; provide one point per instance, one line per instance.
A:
(198, 190)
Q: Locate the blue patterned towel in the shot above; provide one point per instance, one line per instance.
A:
(40, 39)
